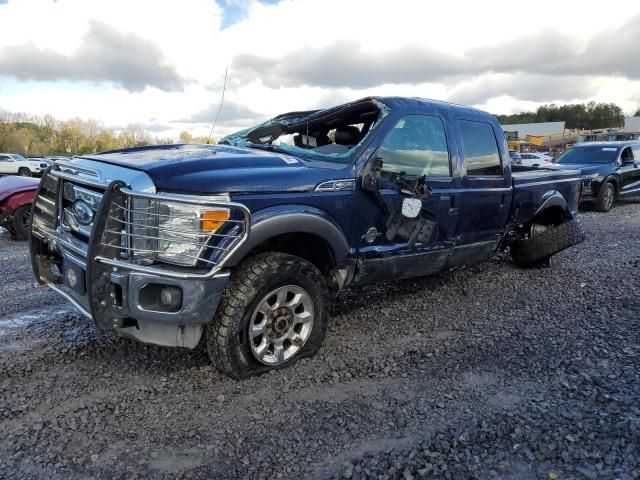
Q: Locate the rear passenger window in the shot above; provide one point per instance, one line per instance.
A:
(480, 148)
(416, 145)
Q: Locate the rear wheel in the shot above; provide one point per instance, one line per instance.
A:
(21, 223)
(24, 172)
(273, 312)
(606, 197)
(545, 241)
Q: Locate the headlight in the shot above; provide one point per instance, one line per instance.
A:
(586, 181)
(173, 232)
(184, 229)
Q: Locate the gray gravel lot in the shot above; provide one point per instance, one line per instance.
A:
(487, 372)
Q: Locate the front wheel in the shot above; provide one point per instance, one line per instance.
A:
(24, 172)
(272, 313)
(21, 223)
(606, 197)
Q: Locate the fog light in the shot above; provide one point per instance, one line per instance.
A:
(171, 297)
(74, 278)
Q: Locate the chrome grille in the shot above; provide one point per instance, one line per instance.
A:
(73, 194)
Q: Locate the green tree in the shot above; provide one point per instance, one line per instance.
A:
(44, 135)
(578, 115)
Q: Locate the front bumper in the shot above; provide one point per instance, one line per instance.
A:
(117, 294)
(179, 328)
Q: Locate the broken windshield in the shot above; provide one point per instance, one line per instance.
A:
(329, 135)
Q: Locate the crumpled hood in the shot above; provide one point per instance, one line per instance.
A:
(222, 168)
(11, 184)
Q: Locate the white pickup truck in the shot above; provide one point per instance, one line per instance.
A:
(13, 164)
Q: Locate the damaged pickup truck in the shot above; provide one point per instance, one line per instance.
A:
(243, 244)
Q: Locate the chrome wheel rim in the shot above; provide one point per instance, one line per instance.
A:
(608, 197)
(281, 324)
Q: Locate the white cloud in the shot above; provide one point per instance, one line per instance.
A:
(192, 43)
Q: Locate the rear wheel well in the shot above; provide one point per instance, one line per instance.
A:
(554, 215)
(551, 216)
(301, 244)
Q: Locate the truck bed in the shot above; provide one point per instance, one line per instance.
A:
(524, 175)
(531, 184)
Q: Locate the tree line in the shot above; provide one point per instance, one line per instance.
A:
(576, 115)
(41, 136)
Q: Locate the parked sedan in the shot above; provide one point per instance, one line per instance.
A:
(16, 197)
(610, 170)
(531, 159)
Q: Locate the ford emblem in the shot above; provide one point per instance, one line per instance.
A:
(82, 212)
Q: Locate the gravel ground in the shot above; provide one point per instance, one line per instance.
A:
(487, 372)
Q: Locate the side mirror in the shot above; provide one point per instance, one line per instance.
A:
(627, 161)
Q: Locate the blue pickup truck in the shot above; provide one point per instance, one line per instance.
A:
(242, 245)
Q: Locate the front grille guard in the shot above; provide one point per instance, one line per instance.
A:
(116, 230)
(105, 255)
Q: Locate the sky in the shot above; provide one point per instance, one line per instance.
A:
(162, 64)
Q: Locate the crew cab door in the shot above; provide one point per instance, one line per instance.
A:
(629, 171)
(415, 146)
(486, 189)
(6, 164)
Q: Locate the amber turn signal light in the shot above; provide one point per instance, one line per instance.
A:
(212, 220)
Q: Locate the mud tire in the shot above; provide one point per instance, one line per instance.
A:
(226, 338)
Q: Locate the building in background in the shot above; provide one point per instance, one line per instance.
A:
(534, 129)
(531, 137)
(632, 124)
(631, 131)
(552, 136)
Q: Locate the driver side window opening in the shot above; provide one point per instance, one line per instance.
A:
(627, 155)
(416, 146)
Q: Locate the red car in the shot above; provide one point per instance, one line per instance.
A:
(16, 196)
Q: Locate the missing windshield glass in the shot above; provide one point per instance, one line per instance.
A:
(330, 134)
